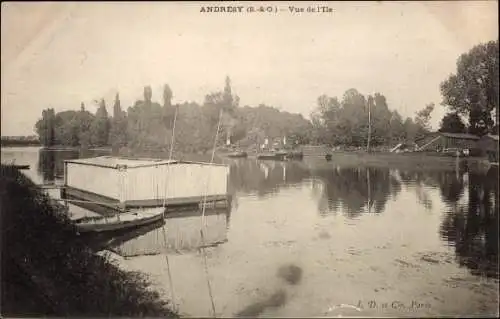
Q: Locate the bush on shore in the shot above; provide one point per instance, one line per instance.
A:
(47, 269)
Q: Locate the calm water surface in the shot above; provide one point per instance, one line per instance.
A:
(311, 238)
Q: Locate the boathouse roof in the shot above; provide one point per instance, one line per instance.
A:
(464, 136)
(114, 162)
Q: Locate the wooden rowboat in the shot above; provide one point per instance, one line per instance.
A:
(237, 154)
(120, 221)
(273, 155)
(295, 155)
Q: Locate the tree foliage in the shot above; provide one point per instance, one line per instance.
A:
(473, 90)
(85, 120)
(423, 117)
(167, 96)
(118, 130)
(66, 128)
(452, 123)
(347, 122)
(148, 124)
(148, 94)
(46, 127)
(100, 126)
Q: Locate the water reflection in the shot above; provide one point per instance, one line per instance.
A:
(265, 177)
(179, 232)
(469, 223)
(356, 190)
(51, 162)
(47, 165)
(450, 183)
(472, 228)
(451, 186)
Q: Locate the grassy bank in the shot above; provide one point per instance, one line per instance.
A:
(47, 269)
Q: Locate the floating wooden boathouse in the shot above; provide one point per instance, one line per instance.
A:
(124, 183)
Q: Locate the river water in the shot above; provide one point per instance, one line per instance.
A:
(313, 238)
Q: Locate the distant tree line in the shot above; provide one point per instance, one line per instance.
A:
(149, 125)
(20, 141)
(347, 121)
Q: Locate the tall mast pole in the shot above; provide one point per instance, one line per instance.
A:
(369, 126)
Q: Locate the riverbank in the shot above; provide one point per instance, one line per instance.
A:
(75, 148)
(8, 144)
(402, 161)
(48, 270)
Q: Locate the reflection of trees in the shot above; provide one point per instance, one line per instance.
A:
(265, 177)
(358, 190)
(473, 229)
(427, 178)
(51, 163)
(450, 184)
(47, 165)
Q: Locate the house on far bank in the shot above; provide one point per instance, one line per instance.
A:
(441, 141)
(489, 146)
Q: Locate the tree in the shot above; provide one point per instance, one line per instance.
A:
(224, 102)
(410, 130)
(167, 96)
(66, 128)
(85, 120)
(326, 120)
(473, 90)
(423, 117)
(381, 118)
(397, 129)
(227, 95)
(118, 130)
(148, 94)
(354, 119)
(146, 126)
(100, 126)
(45, 128)
(347, 123)
(452, 123)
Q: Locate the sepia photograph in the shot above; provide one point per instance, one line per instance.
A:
(283, 159)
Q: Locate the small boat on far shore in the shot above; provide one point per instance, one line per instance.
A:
(272, 155)
(237, 154)
(295, 155)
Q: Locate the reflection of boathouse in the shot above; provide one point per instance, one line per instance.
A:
(181, 232)
(489, 145)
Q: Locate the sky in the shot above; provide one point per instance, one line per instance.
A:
(61, 54)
